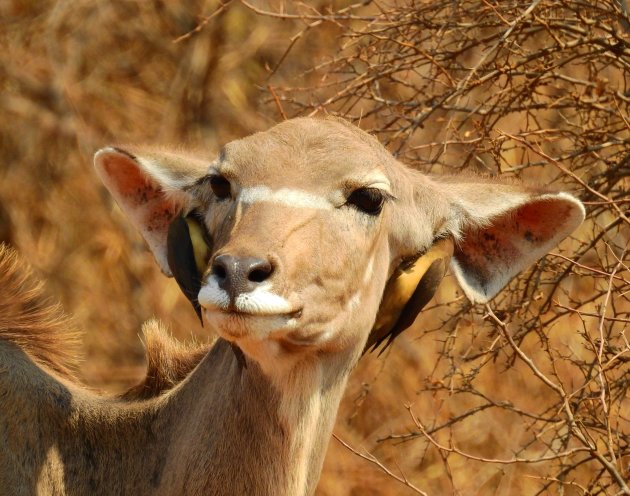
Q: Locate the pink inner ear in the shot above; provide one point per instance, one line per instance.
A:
(483, 251)
(141, 194)
(538, 222)
(131, 184)
(511, 240)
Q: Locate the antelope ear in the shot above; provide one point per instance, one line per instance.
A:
(408, 291)
(501, 229)
(151, 189)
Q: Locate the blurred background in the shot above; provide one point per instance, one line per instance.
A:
(538, 91)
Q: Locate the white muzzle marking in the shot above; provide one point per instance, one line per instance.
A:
(260, 301)
(257, 314)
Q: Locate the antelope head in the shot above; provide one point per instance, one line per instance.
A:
(311, 238)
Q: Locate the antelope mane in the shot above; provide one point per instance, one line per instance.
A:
(34, 322)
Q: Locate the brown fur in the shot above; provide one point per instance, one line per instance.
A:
(60, 438)
(30, 320)
(168, 362)
(39, 326)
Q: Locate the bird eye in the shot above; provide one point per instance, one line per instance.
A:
(368, 200)
(220, 187)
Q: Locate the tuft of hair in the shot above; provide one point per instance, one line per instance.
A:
(32, 321)
(169, 361)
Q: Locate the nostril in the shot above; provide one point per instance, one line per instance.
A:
(260, 271)
(219, 271)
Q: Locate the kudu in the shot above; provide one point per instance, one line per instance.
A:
(302, 246)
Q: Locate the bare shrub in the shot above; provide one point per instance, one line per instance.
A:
(533, 90)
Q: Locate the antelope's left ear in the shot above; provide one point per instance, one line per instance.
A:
(500, 229)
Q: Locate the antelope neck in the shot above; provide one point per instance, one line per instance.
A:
(248, 434)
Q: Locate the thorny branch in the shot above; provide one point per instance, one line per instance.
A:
(372, 459)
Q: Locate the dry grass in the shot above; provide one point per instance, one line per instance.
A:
(528, 395)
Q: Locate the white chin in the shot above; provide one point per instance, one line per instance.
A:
(235, 326)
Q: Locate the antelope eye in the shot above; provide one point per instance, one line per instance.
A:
(220, 187)
(368, 200)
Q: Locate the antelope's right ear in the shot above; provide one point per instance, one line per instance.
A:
(151, 188)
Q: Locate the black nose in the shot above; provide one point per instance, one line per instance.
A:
(238, 275)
